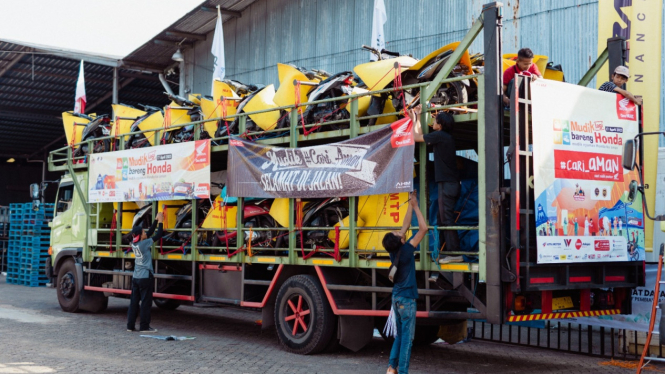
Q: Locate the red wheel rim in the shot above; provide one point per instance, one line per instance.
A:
(299, 318)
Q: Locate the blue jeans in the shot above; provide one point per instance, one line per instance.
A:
(405, 316)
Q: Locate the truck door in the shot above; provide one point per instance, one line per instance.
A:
(61, 228)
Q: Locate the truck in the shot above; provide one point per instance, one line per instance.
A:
(316, 301)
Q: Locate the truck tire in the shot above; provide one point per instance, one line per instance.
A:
(167, 304)
(303, 317)
(67, 287)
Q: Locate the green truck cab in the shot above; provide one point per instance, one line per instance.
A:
(70, 229)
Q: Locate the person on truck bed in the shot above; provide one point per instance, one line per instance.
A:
(524, 66)
(143, 281)
(445, 174)
(405, 290)
(619, 78)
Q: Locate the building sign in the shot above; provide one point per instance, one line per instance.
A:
(166, 172)
(640, 22)
(581, 188)
(379, 162)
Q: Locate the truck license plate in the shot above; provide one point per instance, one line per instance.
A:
(559, 303)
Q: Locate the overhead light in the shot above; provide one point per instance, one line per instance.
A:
(177, 56)
(11, 160)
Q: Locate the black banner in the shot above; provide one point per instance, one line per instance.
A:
(379, 162)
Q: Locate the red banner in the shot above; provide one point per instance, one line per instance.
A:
(587, 166)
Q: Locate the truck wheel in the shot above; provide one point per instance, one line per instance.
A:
(68, 292)
(303, 317)
(167, 304)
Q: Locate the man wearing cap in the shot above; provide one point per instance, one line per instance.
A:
(143, 281)
(619, 78)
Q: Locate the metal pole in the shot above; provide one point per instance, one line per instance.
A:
(493, 113)
(114, 100)
(616, 48)
(181, 89)
(293, 142)
(353, 200)
(593, 70)
(425, 263)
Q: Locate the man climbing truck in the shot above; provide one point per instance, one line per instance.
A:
(313, 264)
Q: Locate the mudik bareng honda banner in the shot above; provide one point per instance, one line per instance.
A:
(581, 206)
(379, 162)
(165, 172)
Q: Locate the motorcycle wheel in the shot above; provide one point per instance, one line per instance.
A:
(101, 146)
(451, 93)
(327, 217)
(137, 141)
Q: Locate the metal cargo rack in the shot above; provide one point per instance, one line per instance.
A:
(486, 286)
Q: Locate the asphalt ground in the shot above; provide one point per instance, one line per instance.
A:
(36, 336)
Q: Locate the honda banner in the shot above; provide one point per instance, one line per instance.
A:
(379, 162)
(165, 172)
(581, 189)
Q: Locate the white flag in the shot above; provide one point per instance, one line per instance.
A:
(79, 99)
(379, 19)
(219, 67)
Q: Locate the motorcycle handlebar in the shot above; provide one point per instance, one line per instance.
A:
(370, 48)
(304, 83)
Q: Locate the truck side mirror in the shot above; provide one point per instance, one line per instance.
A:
(35, 195)
(34, 191)
(629, 154)
(632, 190)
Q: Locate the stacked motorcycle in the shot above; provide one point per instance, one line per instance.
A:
(216, 116)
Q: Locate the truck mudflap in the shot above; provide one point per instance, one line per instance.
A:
(543, 316)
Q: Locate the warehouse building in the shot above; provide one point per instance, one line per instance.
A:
(323, 34)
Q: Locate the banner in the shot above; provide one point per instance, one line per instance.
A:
(165, 172)
(379, 162)
(581, 188)
(640, 22)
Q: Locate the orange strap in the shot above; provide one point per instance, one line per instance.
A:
(249, 243)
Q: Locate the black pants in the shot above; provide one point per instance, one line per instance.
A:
(448, 194)
(142, 290)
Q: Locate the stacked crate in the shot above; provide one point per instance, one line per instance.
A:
(29, 238)
(13, 258)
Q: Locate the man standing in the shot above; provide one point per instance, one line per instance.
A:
(445, 174)
(405, 290)
(143, 281)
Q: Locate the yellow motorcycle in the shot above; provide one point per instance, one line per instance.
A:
(259, 98)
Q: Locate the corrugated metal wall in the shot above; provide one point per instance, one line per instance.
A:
(328, 34)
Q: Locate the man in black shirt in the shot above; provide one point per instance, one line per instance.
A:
(445, 174)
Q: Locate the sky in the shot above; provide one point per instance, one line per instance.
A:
(106, 27)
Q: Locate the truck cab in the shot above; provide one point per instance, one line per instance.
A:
(70, 219)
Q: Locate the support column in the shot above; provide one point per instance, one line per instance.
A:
(493, 115)
(181, 88)
(114, 99)
(617, 54)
